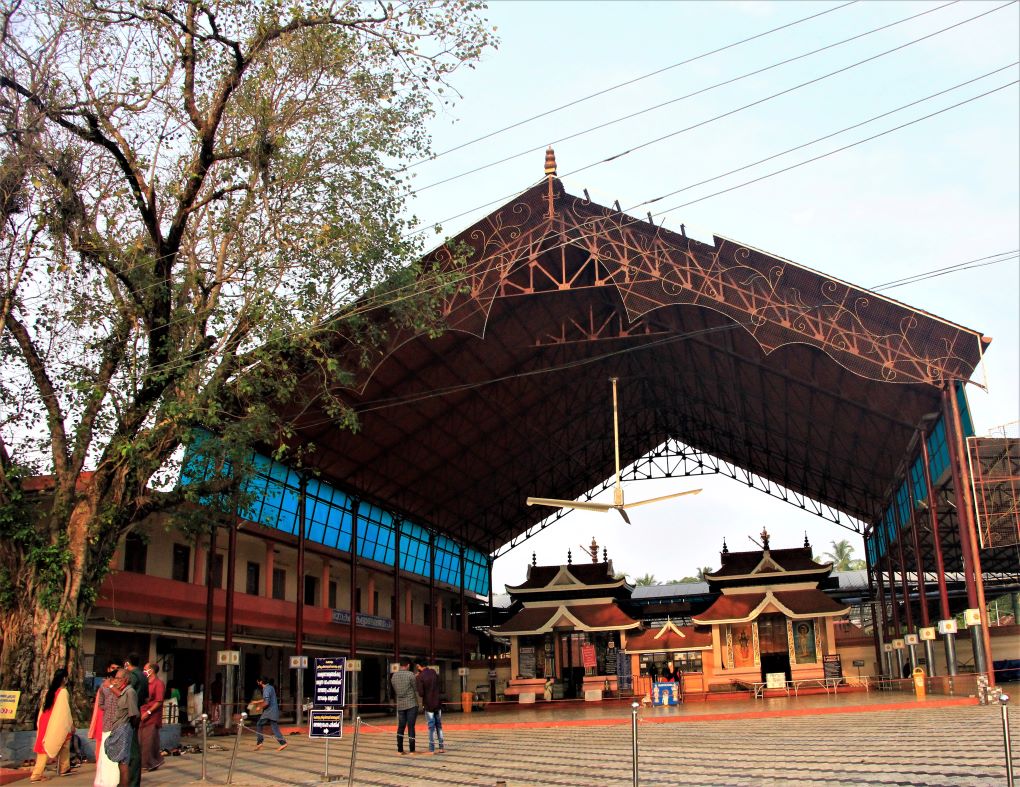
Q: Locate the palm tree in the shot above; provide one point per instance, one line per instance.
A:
(842, 556)
(702, 572)
(646, 580)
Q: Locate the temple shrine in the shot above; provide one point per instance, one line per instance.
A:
(566, 638)
(771, 622)
(576, 634)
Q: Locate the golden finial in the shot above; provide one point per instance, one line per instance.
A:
(550, 162)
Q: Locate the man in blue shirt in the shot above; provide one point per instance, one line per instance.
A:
(270, 715)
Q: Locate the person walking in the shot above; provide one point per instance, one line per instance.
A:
(270, 709)
(53, 740)
(107, 771)
(137, 680)
(407, 703)
(427, 682)
(120, 720)
(152, 718)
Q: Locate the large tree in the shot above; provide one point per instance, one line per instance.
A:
(192, 196)
(842, 556)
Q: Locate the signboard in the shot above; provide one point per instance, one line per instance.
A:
(832, 666)
(624, 678)
(947, 627)
(588, 656)
(526, 662)
(910, 639)
(329, 682)
(325, 723)
(886, 647)
(972, 617)
(342, 617)
(227, 657)
(463, 671)
(898, 644)
(858, 662)
(926, 633)
(775, 680)
(9, 705)
(354, 665)
(299, 662)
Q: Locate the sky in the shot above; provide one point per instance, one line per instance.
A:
(933, 194)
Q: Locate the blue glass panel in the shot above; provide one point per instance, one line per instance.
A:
(917, 478)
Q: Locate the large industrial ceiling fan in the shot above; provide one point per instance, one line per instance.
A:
(618, 504)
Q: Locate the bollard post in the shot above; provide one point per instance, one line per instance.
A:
(325, 765)
(237, 742)
(205, 741)
(354, 751)
(633, 737)
(1003, 702)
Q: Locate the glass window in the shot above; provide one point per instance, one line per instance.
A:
(251, 579)
(217, 571)
(180, 568)
(280, 583)
(311, 591)
(135, 553)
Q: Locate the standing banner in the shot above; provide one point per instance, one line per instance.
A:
(330, 683)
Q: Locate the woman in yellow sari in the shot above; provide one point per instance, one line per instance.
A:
(53, 740)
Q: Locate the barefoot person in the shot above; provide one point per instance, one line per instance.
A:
(152, 718)
(53, 741)
(107, 771)
(120, 720)
(270, 708)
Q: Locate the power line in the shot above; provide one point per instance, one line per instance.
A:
(602, 92)
(621, 154)
(824, 137)
(838, 150)
(723, 83)
(935, 275)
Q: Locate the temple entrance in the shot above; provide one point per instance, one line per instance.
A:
(773, 645)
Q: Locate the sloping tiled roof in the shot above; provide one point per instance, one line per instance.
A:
(585, 617)
(669, 638)
(585, 573)
(742, 563)
(740, 607)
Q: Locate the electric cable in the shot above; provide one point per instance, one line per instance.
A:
(602, 92)
(730, 81)
(643, 145)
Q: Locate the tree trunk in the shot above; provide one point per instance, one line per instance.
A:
(31, 651)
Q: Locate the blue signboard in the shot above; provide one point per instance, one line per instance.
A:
(325, 724)
(342, 617)
(329, 682)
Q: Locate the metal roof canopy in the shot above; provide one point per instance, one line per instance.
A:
(738, 357)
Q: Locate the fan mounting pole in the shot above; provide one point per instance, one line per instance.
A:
(618, 490)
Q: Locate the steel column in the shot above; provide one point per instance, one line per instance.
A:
(432, 597)
(398, 524)
(877, 633)
(209, 617)
(356, 505)
(940, 568)
(911, 650)
(299, 618)
(968, 534)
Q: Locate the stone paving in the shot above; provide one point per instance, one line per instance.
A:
(927, 744)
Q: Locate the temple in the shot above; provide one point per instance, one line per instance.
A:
(771, 616)
(767, 620)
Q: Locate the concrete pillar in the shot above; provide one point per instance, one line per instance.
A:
(198, 568)
(324, 587)
(369, 602)
(267, 580)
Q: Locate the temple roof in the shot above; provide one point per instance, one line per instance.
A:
(569, 577)
(604, 616)
(771, 562)
(796, 604)
(669, 638)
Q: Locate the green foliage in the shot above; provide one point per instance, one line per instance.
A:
(842, 557)
(204, 230)
(645, 581)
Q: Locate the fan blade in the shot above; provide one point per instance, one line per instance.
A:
(622, 513)
(664, 497)
(549, 501)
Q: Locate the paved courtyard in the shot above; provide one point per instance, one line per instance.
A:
(923, 745)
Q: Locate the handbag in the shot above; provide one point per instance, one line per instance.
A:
(118, 743)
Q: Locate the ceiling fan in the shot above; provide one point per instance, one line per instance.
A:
(618, 504)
